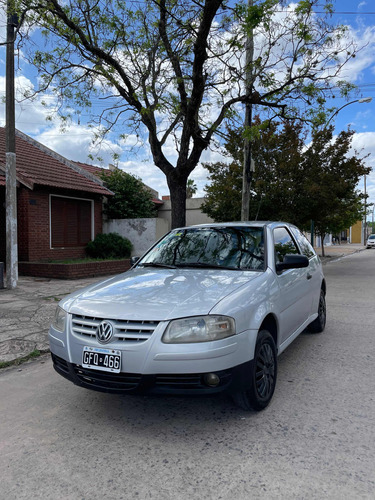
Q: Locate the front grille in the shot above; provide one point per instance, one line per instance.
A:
(128, 331)
(188, 381)
(107, 380)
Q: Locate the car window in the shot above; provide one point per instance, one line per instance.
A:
(226, 247)
(304, 244)
(284, 244)
(371, 237)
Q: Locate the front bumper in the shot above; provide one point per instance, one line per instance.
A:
(232, 380)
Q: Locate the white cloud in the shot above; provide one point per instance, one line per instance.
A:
(365, 40)
(76, 144)
(3, 24)
(30, 115)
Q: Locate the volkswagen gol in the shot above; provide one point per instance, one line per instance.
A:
(207, 309)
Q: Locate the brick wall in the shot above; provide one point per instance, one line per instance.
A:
(23, 223)
(73, 271)
(34, 225)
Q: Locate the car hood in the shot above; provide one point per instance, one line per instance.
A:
(157, 294)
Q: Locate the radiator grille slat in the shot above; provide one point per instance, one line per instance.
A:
(124, 330)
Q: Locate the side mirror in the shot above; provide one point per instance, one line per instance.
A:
(292, 261)
(134, 260)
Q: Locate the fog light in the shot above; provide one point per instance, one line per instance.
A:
(211, 379)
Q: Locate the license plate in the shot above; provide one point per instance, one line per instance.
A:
(105, 360)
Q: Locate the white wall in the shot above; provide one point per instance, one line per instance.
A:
(141, 232)
(194, 214)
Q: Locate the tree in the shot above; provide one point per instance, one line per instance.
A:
(191, 188)
(131, 199)
(331, 180)
(174, 71)
(277, 152)
(292, 182)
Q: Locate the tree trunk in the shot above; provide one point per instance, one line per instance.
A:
(177, 190)
(322, 236)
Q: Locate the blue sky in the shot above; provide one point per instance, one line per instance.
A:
(360, 16)
(75, 143)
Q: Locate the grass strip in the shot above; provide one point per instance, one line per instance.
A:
(33, 354)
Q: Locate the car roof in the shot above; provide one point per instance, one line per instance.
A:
(271, 224)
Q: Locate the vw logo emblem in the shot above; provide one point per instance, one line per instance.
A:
(104, 333)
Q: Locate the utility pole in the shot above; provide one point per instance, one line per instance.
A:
(248, 164)
(10, 165)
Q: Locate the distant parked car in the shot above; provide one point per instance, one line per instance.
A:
(371, 241)
(207, 309)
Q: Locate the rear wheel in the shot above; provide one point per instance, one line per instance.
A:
(262, 378)
(318, 325)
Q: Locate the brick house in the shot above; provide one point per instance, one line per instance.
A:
(59, 203)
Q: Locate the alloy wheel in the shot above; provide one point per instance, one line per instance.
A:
(265, 371)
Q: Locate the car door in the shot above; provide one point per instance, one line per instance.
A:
(294, 299)
(315, 277)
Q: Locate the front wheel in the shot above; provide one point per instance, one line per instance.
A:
(318, 325)
(262, 378)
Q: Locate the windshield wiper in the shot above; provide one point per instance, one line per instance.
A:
(157, 264)
(203, 265)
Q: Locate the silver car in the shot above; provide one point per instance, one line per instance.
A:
(207, 309)
(371, 241)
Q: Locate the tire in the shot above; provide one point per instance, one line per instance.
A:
(318, 325)
(262, 378)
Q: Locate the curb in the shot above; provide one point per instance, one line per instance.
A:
(327, 259)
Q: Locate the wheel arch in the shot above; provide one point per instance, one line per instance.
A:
(324, 286)
(270, 323)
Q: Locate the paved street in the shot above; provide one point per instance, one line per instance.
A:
(315, 440)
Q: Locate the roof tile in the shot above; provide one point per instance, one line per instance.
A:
(40, 165)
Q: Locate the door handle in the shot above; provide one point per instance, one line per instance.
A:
(309, 276)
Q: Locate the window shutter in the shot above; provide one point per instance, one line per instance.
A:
(70, 222)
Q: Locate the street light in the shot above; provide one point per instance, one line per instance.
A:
(364, 99)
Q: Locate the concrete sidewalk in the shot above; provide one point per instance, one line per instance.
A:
(337, 251)
(27, 311)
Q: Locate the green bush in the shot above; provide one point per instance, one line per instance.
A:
(132, 199)
(109, 246)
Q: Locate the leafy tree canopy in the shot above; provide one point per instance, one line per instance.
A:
(174, 72)
(291, 182)
(131, 199)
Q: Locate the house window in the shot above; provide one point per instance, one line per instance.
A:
(70, 222)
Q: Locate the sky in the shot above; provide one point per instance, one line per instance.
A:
(75, 143)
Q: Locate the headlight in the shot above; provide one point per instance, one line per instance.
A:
(59, 319)
(199, 329)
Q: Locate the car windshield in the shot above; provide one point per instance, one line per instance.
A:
(209, 247)
(371, 237)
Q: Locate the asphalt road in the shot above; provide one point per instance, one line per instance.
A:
(315, 440)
